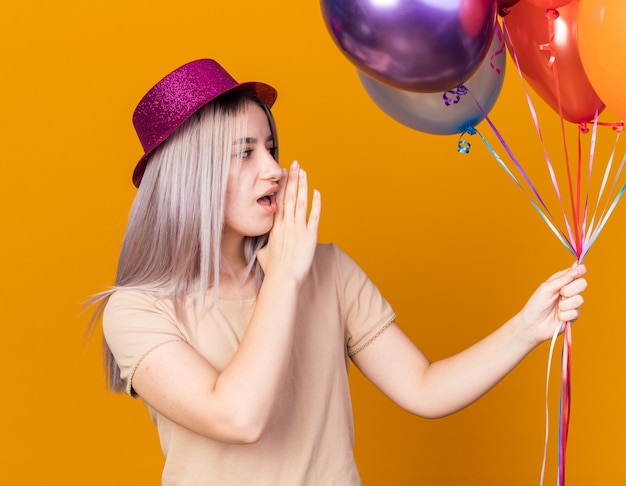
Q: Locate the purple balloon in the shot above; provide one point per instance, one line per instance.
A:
(415, 45)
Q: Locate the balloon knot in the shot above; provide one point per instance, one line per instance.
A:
(503, 11)
(552, 14)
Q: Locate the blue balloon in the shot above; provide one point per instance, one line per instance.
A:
(415, 45)
(429, 113)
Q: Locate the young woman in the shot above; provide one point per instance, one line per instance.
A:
(235, 326)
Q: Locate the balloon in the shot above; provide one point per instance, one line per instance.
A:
(601, 31)
(527, 26)
(427, 112)
(416, 45)
(549, 3)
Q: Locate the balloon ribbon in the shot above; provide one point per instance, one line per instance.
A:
(577, 242)
(581, 233)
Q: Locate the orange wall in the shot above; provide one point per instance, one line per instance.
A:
(450, 240)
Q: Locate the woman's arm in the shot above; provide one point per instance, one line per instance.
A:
(235, 405)
(398, 368)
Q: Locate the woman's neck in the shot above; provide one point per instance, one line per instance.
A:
(232, 253)
(232, 282)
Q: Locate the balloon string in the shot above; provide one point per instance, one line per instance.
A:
(585, 229)
(533, 114)
(580, 239)
(583, 224)
(565, 403)
(587, 242)
(616, 126)
(464, 148)
(547, 412)
(551, 16)
(508, 151)
(565, 400)
(500, 51)
(604, 219)
(545, 213)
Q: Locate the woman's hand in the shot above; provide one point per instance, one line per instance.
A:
(555, 302)
(293, 238)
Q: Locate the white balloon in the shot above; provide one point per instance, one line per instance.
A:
(428, 112)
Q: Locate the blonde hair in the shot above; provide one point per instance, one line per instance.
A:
(173, 237)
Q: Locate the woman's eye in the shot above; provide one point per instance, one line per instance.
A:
(246, 153)
(273, 151)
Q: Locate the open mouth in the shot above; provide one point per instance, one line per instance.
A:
(266, 200)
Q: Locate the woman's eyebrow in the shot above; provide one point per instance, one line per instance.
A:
(252, 140)
(245, 140)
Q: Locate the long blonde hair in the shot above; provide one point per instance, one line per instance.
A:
(173, 237)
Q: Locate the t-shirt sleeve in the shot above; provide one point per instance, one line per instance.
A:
(135, 323)
(366, 312)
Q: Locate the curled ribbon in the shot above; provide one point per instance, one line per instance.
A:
(463, 145)
(615, 126)
(456, 94)
(499, 51)
(551, 15)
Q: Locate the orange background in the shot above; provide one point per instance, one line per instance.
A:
(448, 237)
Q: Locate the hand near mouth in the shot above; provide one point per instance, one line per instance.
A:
(293, 238)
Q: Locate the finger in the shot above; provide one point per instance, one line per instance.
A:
(576, 287)
(560, 279)
(291, 188)
(316, 209)
(280, 195)
(558, 274)
(569, 303)
(302, 196)
(569, 315)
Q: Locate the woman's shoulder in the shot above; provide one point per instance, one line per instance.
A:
(325, 254)
(125, 298)
(327, 250)
(331, 252)
(330, 258)
(122, 294)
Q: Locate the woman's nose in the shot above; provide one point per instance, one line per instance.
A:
(270, 166)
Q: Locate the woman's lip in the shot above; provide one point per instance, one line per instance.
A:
(270, 192)
(268, 202)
